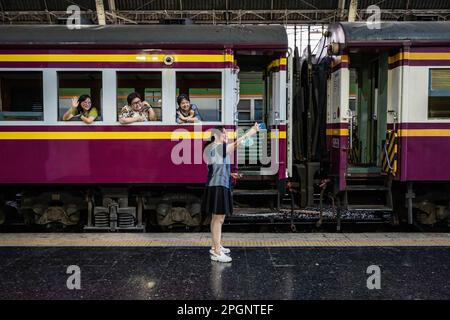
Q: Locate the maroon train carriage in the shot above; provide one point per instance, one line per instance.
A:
(363, 121)
(380, 129)
(105, 175)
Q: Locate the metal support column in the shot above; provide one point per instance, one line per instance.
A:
(352, 10)
(100, 12)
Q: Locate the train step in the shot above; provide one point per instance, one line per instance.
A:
(369, 207)
(271, 195)
(367, 188)
(372, 194)
(271, 192)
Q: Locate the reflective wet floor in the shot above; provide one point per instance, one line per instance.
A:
(255, 273)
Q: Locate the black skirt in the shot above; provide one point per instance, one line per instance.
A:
(217, 200)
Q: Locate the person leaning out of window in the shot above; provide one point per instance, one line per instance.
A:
(81, 109)
(136, 110)
(186, 112)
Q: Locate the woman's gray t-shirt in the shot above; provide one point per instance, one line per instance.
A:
(219, 166)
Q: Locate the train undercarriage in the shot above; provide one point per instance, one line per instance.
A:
(164, 209)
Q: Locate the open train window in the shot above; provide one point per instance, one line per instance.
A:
(439, 94)
(147, 84)
(74, 84)
(21, 96)
(205, 90)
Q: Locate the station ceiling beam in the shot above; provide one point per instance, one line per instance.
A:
(352, 10)
(101, 18)
(112, 15)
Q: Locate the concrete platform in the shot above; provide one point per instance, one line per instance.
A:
(177, 266)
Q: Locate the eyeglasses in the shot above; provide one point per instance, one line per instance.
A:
(136, 102)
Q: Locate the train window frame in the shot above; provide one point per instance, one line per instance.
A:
(220, 100)
(252, 111)
(434, 94)
(127, 70)
(42, 97)
(101, 107)
(242, 111)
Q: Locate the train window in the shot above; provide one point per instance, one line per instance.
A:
(258, 110)
(147, 84)
(21, 96)
(250, 110)
(439, 94)
(251, 90)
(75, 84)
(244, 109)
(205, 90)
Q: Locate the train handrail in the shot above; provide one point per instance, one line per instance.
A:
(387, 157)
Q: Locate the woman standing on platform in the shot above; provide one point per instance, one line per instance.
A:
(218, 200)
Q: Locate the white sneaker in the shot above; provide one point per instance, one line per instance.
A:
(222, 249)
(222, 257)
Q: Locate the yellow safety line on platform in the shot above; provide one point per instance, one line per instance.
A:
(234, 243)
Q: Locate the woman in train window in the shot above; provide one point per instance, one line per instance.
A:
(218, 200)
(136, 110)
(187, 112)
(81, 109)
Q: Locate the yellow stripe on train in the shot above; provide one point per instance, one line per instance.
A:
(149, 58)
(424, 132)
(401, 132)
(277, 63)
(337, 132)
(419, 56)
(104, 135)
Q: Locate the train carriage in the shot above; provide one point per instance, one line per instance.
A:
(53, 170)
(387, 115)
(365, 120)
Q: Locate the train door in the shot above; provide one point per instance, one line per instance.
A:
(261, 100)
(368, 108)
(250, 109)
(261, 159)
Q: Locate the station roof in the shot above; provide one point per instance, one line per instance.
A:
(219, 11)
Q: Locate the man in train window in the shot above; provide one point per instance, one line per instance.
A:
(136, 110)
(187, 112)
